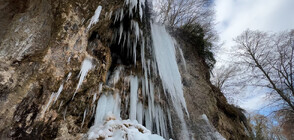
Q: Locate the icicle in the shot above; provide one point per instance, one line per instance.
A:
(60, 105)
(115, 17)
(148, 119)
(151, 97)
(64, 113)
(95, 18)
(116, 76)
(135, 27)
(49, 102)
(128, 42)
(55, 96)
(106, 107)
(141, 6)
(143, 89)
(133, 97)
(180, 114)
(182, 58)
(148, 67)
(100, 88)
(133, 6)
(143, 52)
(94, 98)
(121, 29)
(146, 80)
(154, 69)
(58, 92)
(68, 60)
(162, 122)
(125, 37)
(116, 108)
(68, 76)
(109, 15)
(100, 110)
(156, 117)
(134, 52)
(140, 112)
(121, 14)
(84, 116)
(169, 119)
(95, 94)
(93, 110)
(164, 52)
(110, 105)
(86, 66)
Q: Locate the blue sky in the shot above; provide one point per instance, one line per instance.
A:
(235, 16)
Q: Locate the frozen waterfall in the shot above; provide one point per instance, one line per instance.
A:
(136, 94)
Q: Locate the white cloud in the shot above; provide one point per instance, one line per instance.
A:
(235, 16)
(255, 99)
(254, 103)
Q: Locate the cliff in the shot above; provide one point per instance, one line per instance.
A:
(204, 98)
(62, 61)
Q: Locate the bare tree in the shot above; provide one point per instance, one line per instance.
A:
(222, 75)
(182, 12)
(285, 117)
(270, 60)
(224, 78)
(264, 128)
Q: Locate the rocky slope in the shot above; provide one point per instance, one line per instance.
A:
(43, 45)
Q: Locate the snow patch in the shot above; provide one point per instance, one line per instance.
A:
(121, 130)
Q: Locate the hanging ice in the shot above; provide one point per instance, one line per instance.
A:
(84, 116)
(133, 5)
(140, 113)
(86, 66)
(133, 97)
(164, 53)
(143, 103)
(107, 106)
(101, 109)
(165, 56)
(58, 92)
(49, 102)
(54, 95)
(116, 76)
(95, 18)
(182, 57)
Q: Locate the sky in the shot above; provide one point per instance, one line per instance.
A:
(235, 16)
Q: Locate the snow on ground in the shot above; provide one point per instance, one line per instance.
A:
(121, 130)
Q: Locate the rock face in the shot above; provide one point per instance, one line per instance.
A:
(42, 46)
(203, 98)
